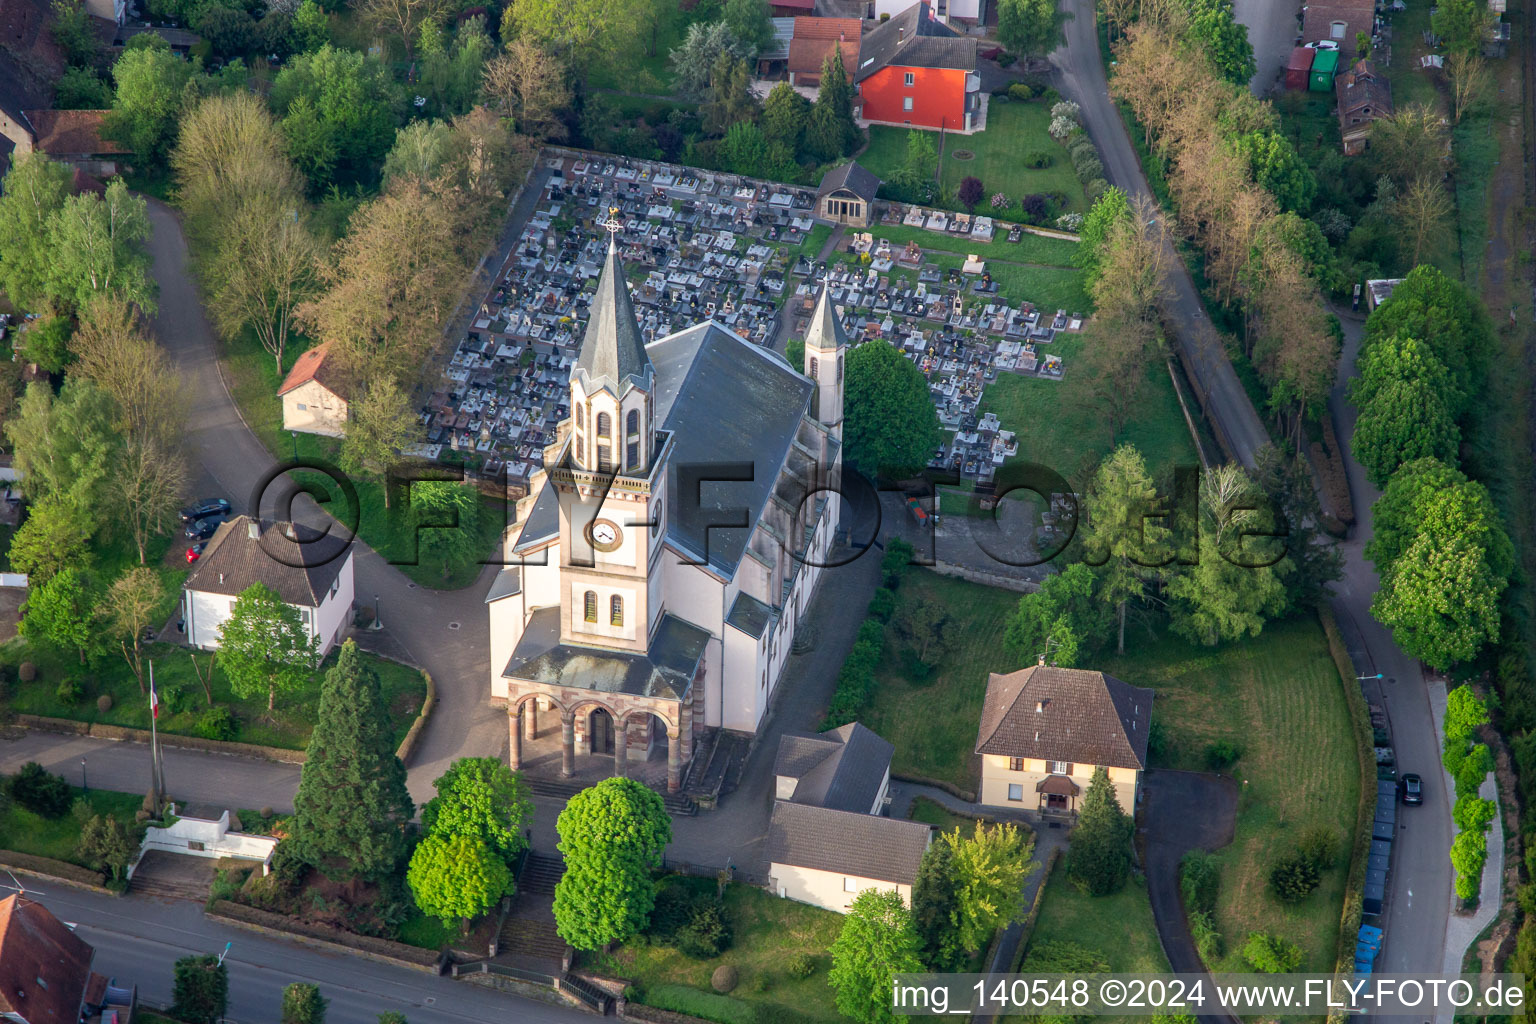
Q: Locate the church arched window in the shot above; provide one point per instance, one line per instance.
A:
(616, 610)
(604, 425)
(579, 416)
(815, 367)
(632, 424)
(589, 606)
(839, 369)
(632, 439)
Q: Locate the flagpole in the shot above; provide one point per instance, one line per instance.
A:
(154, 742)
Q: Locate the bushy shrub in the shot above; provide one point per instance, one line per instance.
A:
(1037, 159)
(1000, 202)
(43, 794)
(217, 723)
(1020, 91)
(1005, 60)
(1320, 845)
(1199, 880)
(1294, 878)
(26, 672)
(706, 934)
(1221, 755)
(70, 692)
(895, 563)
(1062, 127)
(1202, 928)
(103, 703)
(287, 867)
(1080, 144)
(800, 966)
(173, 699)
(1072, 222)
(1271, 954)
(1094, 189)
(1067, 109)
(883, 605)
(1036, 209)
(1088, 168)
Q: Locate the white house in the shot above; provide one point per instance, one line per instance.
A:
(957, 13)
(826, 839)
(666, 553)
(196, 834)
(314, 394)
(309, 571)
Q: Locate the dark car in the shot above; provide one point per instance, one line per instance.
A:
(202, 529)
(1413, 789)
(204, 509)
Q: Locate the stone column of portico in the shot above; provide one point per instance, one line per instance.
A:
(531, 720)
(515, 735)
(687, 730)
(567, 744)
(620, 747)
(674, 760)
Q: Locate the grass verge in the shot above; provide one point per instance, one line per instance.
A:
(57, 838)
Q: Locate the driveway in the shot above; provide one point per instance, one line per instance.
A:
(1272, 29)
(1080, 73)
(1184, 811)
(444, 632)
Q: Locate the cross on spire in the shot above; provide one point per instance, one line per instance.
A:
(613, 225)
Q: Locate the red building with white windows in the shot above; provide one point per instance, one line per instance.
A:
(916, 70)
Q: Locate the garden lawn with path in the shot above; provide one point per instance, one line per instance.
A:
(1277, 699)
(766, 932)
(253, 382)
(1000, 157)
(183, 700)
(25, 832)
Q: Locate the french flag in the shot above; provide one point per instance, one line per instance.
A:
(154, 700)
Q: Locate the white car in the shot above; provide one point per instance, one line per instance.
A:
(1323, 44)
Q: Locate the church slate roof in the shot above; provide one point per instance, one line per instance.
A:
(1066, 714)
(508, 582)
(612, 353)
(852, 177)
(915, 39)
(749, 615)
(727, 403)
(825, 330)
(543, 522)
(666, 670)
(847, 842)
(842, 768)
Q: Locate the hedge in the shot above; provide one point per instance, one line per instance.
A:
(856, 679)
(58, 870)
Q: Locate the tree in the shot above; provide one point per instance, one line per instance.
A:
(1108, 210)
(51, 539)
(264, 646)
(64, 445)
(971, 192)
(693, 60)
(339, 102)
(1061, 621)
(34, 189)
(402, 18)
(447, 518)
(129, 609)
(1127, 292)
(891, 422)
(1028, 28)
(60, 612)
(1425, 211)
(528, 84)
(990, 868)
(98, 244)
(201, 989)
(1312, 559)
(750, 23)
(928, 628)
(482, 798)
(451, 77)
(380, 423)
(105, 844)
(266, 264)
(150, 81)
(1469, 78)
(832, 131)
(744, 150)
(351, 810)
(146, 486)
(1398, 514)
(922, 162)
(457, 877)
(1462, 25)
(81, 89)
(1213, 31)
(75, 35)
(876, 943)
(311, 27)
(1235, 587)
(229, 31)
(1122, 532)
(785, 116)
(1443, 314)
(303, 1004)
(1386, 361)
(1406, 419)
(1278, 168)
(581, 31)
(612, 835)
(1440, 598)
(729, 101)
(392, 1017)
(113, 352)
(935, 907)
(1100, 857)
(1412, 142)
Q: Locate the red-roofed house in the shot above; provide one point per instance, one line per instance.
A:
(814, 41)
(73, 137)
(915, 70)
(314, 395)
(791, 8)
(45, 970)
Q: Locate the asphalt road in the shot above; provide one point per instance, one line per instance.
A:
(1420, 896)
(137, 938)
(1231, 414)
(1272, 29)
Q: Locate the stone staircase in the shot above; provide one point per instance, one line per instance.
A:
(528, 933)
(564, 789)
(170, 876)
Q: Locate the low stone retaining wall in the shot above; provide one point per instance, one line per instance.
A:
(54, 871)
(278, 926)
(122, 733)
(413, 735)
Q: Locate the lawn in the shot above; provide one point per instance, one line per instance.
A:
(1278, 698)
(767, 931)
(25, 832)
(426, 932)
(646, 68)
(183, 701)
(254, 380)
(934, 813)
(1046, 286)
(1014, 131)
(1061, 424)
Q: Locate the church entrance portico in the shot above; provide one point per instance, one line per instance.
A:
(586, 738)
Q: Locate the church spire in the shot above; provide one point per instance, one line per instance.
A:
(826, 330)
(612, 353)
(825, 343)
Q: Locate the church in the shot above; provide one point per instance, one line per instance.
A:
(666, 553)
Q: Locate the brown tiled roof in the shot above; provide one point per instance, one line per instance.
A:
(300, 572)
(44, 967)
(66, 133)
(846, 842)
(915, 39)
(1362, 88)
(317, 365)
(1065, 714)
(814, 39)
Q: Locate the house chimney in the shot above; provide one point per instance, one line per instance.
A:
(221, 578)
(1041, 662)
(289, 532)
(1039, 707)
(901, 33)
(253, 529)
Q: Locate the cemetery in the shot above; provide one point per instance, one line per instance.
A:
(700, 245)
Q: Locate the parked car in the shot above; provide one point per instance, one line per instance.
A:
(1413, 788)
(196, 551)
(202, 529)
(1323, 44)
(205, 508)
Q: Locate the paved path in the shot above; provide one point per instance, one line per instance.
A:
(1080, 70)
(1272, 29)
(444, 632)
(1418, 902)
